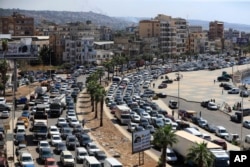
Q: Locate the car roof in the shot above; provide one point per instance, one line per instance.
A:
(66, 152)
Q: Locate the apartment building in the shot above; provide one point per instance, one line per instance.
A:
(17, 25)
(216, 30)
(79, 51)
(149, 28)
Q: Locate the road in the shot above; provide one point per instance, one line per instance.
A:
(32, 146)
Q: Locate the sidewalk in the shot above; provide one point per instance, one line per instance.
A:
(199, 86)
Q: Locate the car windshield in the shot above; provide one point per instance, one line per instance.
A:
(56, 138)
(44, 144)
(68, 156)
(92, 147)
(171, 154)
(83, 154)
(27, 159)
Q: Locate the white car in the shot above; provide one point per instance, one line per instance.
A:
(212, 106)
(5, 114)
(25, 159)
(71, 116)
(43, 144)
(171, 156)
(55, 139)
(2, 100)
(61, 120)
(136, 118)
(53, 130)
(145, 115)
(92, 148)
(74, 122)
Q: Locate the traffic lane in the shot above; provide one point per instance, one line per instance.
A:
(33, 146)
(215, 117)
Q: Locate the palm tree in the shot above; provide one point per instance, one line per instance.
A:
(102, 94)
(97, 99)
(100, 73)
(164, 137)
(4, 66)
(91, 85)
(200, 155)
(108, 66)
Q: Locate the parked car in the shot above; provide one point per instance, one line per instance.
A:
(162, 85)
(161, 95)
(221, 143)
(5, 114)
(210, 128)
(4, 107)
(244, 93)
(172, 104)
(246, 124)
(212, 106)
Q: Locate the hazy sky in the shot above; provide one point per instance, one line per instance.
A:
(233, 11)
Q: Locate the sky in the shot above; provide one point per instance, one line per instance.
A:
(232, 11)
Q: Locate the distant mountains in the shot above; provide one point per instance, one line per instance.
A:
(61, 17)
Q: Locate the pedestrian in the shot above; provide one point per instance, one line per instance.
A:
(214, 81)
(83, 122)
(200, 114)
(153, 85)
(172, 113)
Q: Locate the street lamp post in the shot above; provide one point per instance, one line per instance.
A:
(178, 79)
(241, 127)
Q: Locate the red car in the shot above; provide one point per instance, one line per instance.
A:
(50, 162)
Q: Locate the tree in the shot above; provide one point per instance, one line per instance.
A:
(108, 66)
(200, 155)
(102, 95)
(91, 85)
(4, 66)
(164, 137)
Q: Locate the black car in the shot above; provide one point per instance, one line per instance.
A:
(210, 128)
(4, 107)
(161, 95)
(45, 153)
(19, 138)
(60, 147)
(100, 156)
(204, 103)
(167, 81)
(244, 93)
(84, 139)
(223, 79)
(65, 132)
(72, 142)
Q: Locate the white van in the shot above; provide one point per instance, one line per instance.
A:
(112, 162)
(81, 153)
(220, 131)
(194, 132)
(91, 161)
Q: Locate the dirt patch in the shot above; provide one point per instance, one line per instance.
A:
(21, 91)
(112, 140)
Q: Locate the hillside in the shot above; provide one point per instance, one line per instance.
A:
(61, 17)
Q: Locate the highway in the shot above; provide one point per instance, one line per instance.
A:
(214, 117)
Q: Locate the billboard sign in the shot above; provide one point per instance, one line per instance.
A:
(242, 41)
(21, 50)
(141, 141)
